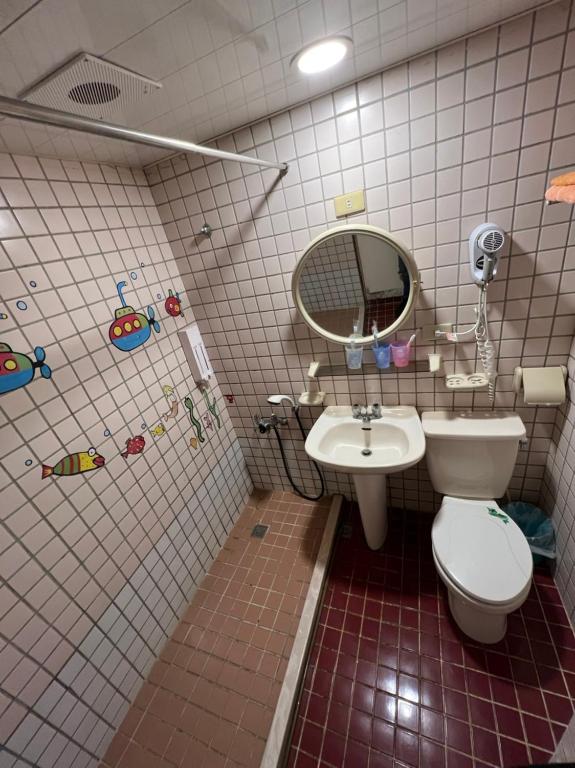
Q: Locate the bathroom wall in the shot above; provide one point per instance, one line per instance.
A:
(558, 497)
(97, 566)
(464, 135)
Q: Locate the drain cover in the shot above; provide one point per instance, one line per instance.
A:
(346, 531)
(366, 452)
(259, 531)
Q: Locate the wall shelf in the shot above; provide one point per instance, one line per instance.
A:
(326, 369)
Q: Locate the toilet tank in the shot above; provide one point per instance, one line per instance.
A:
(471, 454)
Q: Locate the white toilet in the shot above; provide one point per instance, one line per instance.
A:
(481, 555)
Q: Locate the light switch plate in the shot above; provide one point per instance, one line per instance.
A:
(353, 202)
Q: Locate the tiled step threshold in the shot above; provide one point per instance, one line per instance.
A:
(223, 689)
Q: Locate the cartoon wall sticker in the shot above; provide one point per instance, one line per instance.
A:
(17, 369)
(134, 445)
(172, 401)
(173, 304)
(196, 425)
(131, 328)
(229, 398)
(158, 430)
(206, 418)
(75, 464)
(212, 407)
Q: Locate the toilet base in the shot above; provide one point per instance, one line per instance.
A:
(477, 624)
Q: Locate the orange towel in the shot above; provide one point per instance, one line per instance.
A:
(561, 194)
(565, 180)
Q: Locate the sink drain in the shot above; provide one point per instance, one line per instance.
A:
(366, 452)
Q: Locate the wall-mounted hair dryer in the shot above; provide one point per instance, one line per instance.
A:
(485, 244)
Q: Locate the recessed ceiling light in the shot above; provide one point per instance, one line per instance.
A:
(322, 55)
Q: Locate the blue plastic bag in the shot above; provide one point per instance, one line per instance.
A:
(536, 526)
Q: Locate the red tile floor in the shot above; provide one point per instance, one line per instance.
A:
(392, 682)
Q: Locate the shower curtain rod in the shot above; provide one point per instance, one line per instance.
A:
(35, 113)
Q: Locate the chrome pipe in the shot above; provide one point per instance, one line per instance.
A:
(24, 110)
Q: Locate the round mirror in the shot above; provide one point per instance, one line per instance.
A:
(351, 277)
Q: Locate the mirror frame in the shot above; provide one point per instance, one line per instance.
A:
(358, 229)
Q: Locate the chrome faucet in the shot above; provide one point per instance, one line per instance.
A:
(365, 414)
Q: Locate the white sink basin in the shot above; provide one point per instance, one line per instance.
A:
(396, 441)
(369, 452)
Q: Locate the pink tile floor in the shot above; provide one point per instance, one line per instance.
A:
(392, 682)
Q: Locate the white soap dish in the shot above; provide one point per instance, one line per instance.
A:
(466, 381)
(311, 398)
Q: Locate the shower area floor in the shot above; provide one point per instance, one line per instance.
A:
(210, 698)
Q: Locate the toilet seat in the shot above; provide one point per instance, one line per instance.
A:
(482, 551)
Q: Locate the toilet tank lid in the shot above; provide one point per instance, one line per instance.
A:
(473, 425)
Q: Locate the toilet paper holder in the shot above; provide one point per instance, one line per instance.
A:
(518, 377)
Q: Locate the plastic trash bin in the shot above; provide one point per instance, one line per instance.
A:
(536, 526)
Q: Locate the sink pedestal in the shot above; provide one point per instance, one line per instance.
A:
(371, 493)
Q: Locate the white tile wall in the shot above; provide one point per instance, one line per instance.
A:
(96, 568)
(467, 134)
(558, 496)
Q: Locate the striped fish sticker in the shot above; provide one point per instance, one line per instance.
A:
(75, 464)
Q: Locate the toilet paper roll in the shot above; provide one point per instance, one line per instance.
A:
(543, 386)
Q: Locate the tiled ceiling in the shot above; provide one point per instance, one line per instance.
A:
(223, 63)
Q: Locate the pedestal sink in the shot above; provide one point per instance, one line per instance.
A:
(389, 444)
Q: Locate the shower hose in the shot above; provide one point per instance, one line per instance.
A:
(286, 467)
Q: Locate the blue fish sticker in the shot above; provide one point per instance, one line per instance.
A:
(17, 369)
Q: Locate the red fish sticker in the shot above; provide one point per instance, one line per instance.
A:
(134, 445)
(173, 304)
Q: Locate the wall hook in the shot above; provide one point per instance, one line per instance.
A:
(206, 230)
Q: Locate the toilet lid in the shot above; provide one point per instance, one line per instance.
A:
(482, 550)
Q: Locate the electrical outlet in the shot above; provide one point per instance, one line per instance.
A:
(475, 380)
(353, 202)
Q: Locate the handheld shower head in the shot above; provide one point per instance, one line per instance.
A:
(278, 400)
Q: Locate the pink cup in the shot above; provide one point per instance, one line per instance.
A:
(400, 353)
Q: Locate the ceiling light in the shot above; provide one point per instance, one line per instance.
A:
(322, 55)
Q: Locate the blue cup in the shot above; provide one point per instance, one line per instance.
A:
(382, 354)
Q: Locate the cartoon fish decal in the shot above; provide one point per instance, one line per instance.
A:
(196, 425)
(75, 464)
(173, 304)
(157, 430)
(170, 396)
(194, 442)
(134, 445)
(17, 369)
(130, 329)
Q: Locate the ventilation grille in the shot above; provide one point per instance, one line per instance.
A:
(492, 241)
(91, 87)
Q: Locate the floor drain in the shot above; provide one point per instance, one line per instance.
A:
(259, 531)
(346, 531)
